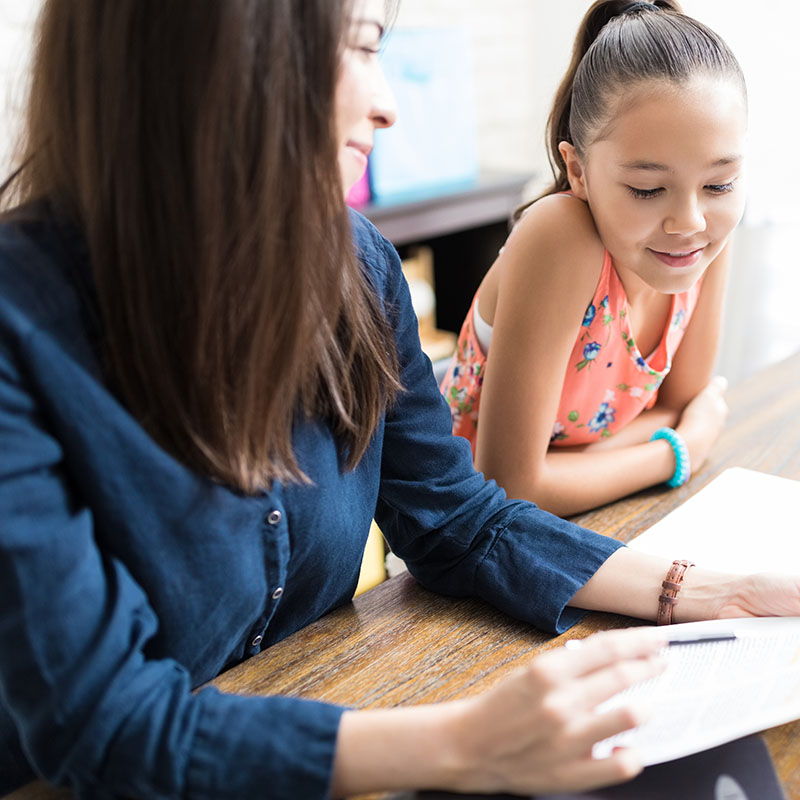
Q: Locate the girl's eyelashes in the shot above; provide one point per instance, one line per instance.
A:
(720, 188)
(366, 53)
(644, 194)
(713, 188)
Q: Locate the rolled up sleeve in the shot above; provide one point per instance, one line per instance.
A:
(456, 531)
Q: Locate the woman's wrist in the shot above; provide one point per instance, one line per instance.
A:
(413, 747)
(706, 594)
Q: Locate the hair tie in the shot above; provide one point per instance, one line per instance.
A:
(640, 5)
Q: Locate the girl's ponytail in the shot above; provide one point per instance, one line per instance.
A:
(558, 122)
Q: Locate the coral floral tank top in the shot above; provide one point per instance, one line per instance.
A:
(608, 381)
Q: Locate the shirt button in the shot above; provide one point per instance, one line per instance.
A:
(257, 640)
(277, 593)
(274, 517)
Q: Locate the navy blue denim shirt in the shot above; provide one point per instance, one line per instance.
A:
(127, 580)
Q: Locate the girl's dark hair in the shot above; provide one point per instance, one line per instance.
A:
(619, 44)
(193, 144)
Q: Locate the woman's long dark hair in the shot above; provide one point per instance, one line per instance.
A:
(194, 146)
(621, 44)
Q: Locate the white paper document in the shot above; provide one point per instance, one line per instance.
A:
(715, 692)
(743, 521)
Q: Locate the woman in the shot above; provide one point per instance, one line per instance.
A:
(210, 381)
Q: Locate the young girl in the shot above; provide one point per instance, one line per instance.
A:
(583, 369)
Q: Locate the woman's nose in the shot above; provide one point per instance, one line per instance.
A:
(384, 106)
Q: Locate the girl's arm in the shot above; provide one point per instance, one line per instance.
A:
(693, 363)
(542, 283)
(686, 391)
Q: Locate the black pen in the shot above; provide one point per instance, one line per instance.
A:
(701, 638)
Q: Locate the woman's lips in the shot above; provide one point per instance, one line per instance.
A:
(678, 258)
(359, 151)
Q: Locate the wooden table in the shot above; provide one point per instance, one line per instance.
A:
(401, 644)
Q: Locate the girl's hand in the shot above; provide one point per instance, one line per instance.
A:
(702, 420)
(534, 731)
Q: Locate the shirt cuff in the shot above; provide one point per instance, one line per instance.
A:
(537, 563)
(277, 747)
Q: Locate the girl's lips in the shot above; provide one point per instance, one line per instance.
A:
(679, 259)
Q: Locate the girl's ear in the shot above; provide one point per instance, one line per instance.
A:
(575, 173)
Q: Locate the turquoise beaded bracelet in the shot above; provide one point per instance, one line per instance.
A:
(682, 466)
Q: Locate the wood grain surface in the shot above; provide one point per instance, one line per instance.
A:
(401, 644)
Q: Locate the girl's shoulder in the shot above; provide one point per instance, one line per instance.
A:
(560, 222)
(555, 245)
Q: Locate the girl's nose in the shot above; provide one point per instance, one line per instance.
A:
(685, 218)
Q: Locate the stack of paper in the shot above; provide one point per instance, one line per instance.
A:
(742, 522)
(715, 692)
(711, 693)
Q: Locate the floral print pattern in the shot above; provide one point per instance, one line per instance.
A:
(602, 418)
(464, 380)
(608, 381)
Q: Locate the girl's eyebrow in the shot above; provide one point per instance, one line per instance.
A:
(650, 166)
(725, 161)
(654, 166)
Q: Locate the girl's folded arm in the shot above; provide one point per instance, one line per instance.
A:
(693, 363)
(545, 278)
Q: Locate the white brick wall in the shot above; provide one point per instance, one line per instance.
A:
(520, 49)
(16, 25)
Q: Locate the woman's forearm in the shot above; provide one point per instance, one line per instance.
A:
(394, 749)
(704, 593)
(531, 732)
(424, 746)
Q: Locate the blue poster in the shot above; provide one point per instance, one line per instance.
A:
(433, 145)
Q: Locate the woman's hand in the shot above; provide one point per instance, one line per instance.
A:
(531, 733)
(534, 731)
(702, 420)
(763, 594)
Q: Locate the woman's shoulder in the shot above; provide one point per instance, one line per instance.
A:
(37, 279)
(375, 251)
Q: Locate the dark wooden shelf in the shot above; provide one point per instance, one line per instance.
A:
(492, 198)
(464, 226)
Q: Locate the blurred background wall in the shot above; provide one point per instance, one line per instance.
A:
(520, 49)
